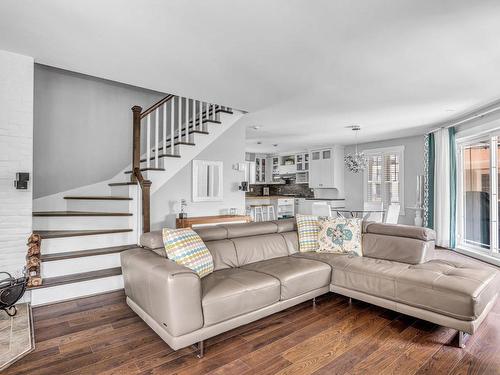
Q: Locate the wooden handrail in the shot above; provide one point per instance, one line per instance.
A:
(156, 105)
(146, 200)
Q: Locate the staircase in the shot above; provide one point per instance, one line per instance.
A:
(84, 230)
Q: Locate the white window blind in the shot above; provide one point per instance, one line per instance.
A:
(383, 177)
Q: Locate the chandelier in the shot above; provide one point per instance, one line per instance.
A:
(355, 162)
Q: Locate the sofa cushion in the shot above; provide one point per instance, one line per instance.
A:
(292, 242)
(339, 235)
(400, 230)
(373, 276)
(234, 291)
(448, 287)
(308, 231)
(250, 229)
(257, 248)
(186, 248)
(297, 275)
(223, 253)
(399, 249)
(152, 240)
(211, 232)
(286, 225)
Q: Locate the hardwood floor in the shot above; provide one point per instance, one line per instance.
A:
(101, 335)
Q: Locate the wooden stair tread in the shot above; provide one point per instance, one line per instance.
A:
(99, 197)
(78, 213)
(78, 277)
(122, 183)
(47, 234)
(147, 169)
(85, 253)
(161, 156)
(224, 111)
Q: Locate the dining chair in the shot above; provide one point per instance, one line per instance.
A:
(392, 215)
(321, 209)
(374, 216)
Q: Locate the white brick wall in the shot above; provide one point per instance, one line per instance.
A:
(16, 155)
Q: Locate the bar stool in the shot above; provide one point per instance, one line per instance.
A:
(255, 210)
(270, 210)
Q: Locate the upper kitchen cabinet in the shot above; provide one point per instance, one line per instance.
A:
(260, 168)
(326, 168)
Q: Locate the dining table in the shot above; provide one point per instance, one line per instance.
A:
(359, 213)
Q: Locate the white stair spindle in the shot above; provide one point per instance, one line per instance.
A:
(165, 129)
(193, 113)
(186, 122)
(179, 119)
(172, 124)
(148, 139)
(200, 115)
(157, 126)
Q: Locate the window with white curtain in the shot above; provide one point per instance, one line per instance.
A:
(383, 176)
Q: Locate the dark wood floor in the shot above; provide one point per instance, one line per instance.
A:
(101, 335)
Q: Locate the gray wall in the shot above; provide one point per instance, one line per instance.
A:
(228, 148)
(413, 166)
(82, 128)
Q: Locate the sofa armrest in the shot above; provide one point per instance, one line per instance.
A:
(168, 292)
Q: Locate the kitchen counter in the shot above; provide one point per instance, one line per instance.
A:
(269, 196)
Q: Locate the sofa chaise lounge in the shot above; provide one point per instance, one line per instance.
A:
(258, 271)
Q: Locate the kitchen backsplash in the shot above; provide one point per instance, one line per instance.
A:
(301, 190)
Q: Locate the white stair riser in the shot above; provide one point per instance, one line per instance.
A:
(75, 290)
(124, 190)
(98, 205)
(66, 244)
(78, 265)
(81, 222)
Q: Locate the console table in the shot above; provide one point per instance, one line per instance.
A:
(198, 221)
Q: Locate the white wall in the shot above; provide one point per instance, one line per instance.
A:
(16, 155)
(228, 148)
(413, 166)
(83, 128)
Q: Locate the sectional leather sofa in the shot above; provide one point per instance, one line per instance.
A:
(260, 271)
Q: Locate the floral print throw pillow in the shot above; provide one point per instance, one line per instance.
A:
(339, 235)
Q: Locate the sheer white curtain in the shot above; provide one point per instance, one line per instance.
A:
(442, 218)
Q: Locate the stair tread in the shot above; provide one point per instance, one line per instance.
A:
(99, 197)
(78, 213)
(161, 156)
(147, 169)
(47, 234)
(78, 277)
(122, 183)
(85, 253)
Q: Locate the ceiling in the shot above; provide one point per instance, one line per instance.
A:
(304, 70)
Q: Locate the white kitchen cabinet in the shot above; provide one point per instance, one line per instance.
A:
(326, 168)
(260, 169)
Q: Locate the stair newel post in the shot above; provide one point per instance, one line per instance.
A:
(146, 206)
(136, 140)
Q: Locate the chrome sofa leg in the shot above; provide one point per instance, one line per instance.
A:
(200, 348)
(350, 301)
(462, 338)
(314, 302)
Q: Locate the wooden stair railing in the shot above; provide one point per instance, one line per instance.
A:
(175, 116)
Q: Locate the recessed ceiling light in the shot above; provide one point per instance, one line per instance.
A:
(259, 142)
(275, 145)
(256, 127)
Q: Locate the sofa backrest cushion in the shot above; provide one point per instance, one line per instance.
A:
(223, 253)
(400, 249)
(152, 240)
(399, 230)
(257, 248)
(211, 233)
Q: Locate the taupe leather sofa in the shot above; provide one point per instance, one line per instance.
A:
(259, 271)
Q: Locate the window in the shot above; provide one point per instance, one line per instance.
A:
(478, 188)
(383, 176)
